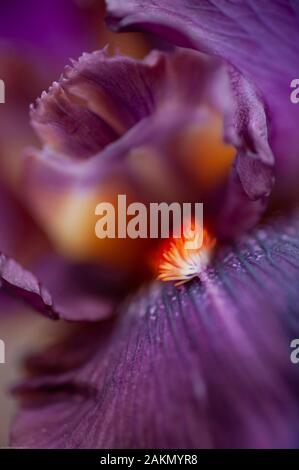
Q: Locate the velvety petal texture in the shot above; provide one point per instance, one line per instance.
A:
(259, 37)
(122, 123)
(206, 364)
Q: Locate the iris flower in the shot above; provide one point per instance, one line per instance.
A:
(153, 364)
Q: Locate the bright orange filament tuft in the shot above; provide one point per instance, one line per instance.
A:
(181, 264)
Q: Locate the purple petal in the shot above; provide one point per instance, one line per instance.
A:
(59, 119)
(143, 109)
(260, 38)
(60, 289)
(81, 292)
(19, 282)
(204, 365)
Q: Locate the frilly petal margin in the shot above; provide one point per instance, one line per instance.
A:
(147, 104)
(205, 365)
(259, 37)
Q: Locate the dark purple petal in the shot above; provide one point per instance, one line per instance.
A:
(61, 289)
(19, 282)
(259, 37)
(81, 291)
(203, 365)
(150, 105)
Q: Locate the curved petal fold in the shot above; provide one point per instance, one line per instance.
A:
(260, 38)
(204, 365)
(60, 289)
(180, 117)
(23, 284)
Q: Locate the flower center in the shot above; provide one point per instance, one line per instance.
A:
(181, 262)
